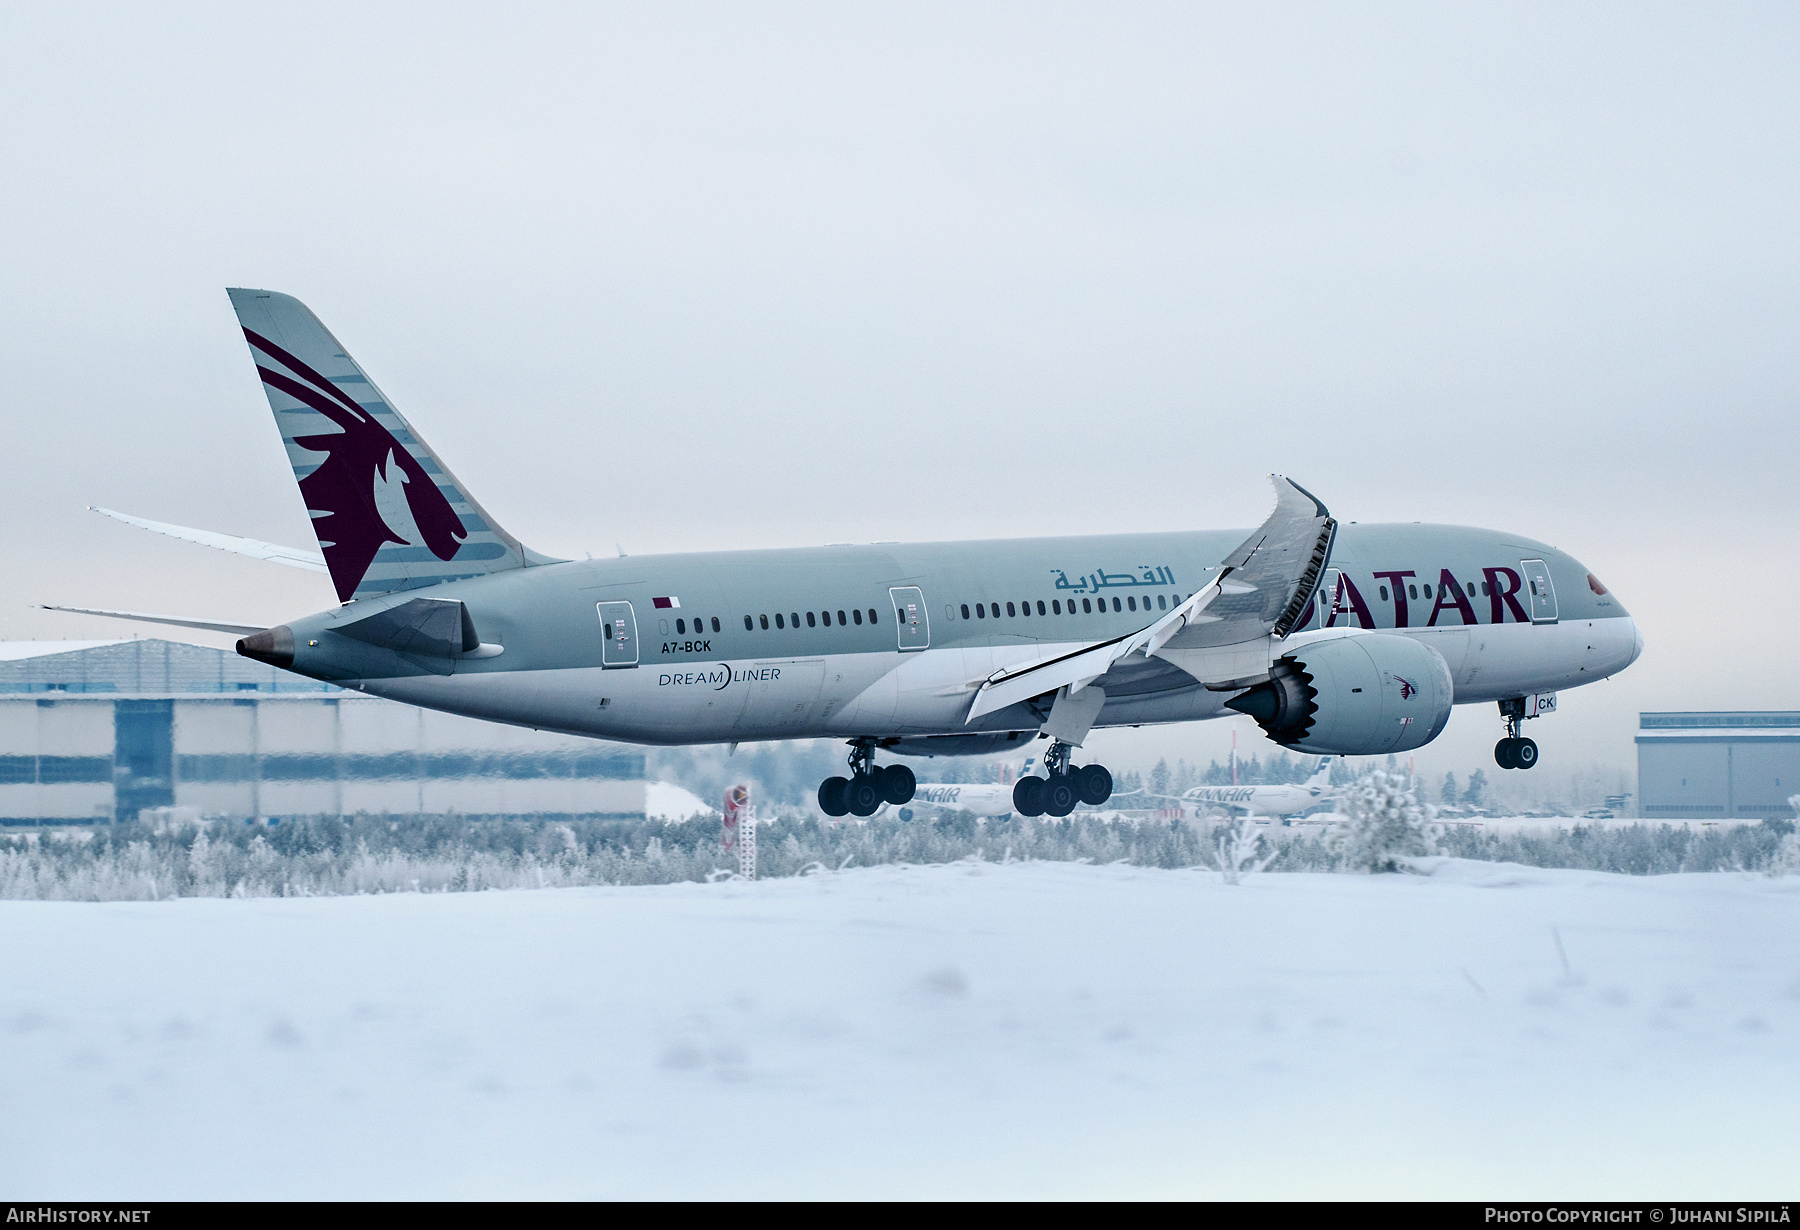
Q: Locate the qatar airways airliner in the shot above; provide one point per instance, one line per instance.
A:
(1350, 640)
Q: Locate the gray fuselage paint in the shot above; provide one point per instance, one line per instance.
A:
(806, 679)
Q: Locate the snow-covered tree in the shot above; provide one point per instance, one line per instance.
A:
(1447, 792)
(1236, 852)
(1384, 823)
(1185, 778)
(1476, 790)
(1786, 861)
(1159, 777)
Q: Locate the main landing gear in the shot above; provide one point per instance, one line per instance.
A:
(1066, 786)
(868, 786)
(1514, 751)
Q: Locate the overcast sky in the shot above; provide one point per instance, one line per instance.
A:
(737, 276)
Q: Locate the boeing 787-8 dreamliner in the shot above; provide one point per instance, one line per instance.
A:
(1348, 640)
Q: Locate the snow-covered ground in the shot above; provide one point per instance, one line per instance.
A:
(976, 1029)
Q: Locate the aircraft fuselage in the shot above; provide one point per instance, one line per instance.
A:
(890, 640)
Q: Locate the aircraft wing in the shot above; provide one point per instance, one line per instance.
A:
(1216, 636)
(292, 557)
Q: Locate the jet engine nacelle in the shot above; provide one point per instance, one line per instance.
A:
(1353, 696)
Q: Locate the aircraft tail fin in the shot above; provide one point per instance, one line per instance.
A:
(388, 513)
(1322, 775)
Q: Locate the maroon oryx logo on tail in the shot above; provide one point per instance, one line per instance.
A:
(343, 487)
(1408, 689)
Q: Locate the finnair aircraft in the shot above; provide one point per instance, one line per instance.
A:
(1283, 800)
(1352, 640)
(980, 798)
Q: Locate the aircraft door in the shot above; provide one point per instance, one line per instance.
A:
(910, 617)
(1539, 589)
(618, 628)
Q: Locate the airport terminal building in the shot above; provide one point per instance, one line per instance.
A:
(95, 731)
(1705, 766)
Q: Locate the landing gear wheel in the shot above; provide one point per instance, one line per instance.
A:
(1503, 754)
(897, 784)
(1059, 795)
(1094, 784)
(1028, 796)
(831, 796)
(1525, 753)
(863, 795)
(906, 815)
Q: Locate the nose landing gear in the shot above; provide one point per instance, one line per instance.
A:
(1067, 785)
(1515, 751)
(868, 786)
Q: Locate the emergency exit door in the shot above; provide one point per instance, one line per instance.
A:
(618, 629)
(1539, 590)
(910, 617)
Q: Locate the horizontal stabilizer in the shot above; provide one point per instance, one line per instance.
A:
(174, 621)
(293, 557)
(430, 627)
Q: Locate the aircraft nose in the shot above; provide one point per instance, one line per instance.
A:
(1637, 643)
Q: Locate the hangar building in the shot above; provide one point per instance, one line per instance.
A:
(1702, 766)
(100, 730)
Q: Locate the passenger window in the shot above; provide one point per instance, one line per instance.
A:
(1484, 590)
(1427, 590)
(1131, 601)
(1086, 607)
(872, 615)
(812, 621)
(980, 611)
(680, 628)
(1384, 596)
(1009, 609)
(779, 622)
(1024, 608)
(1116, 604)
(715, 623)
(841, 620)
(1471, 589)
(747, 624)
(765, 622)
(1162, 603)
(794, 618)
(1041, 606)
(965, 610)
(1412, 591)
(858, 614)
(1056, 606)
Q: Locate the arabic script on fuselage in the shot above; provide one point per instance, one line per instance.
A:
(1100, 579)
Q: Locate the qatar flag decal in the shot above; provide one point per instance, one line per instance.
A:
(664, 604)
